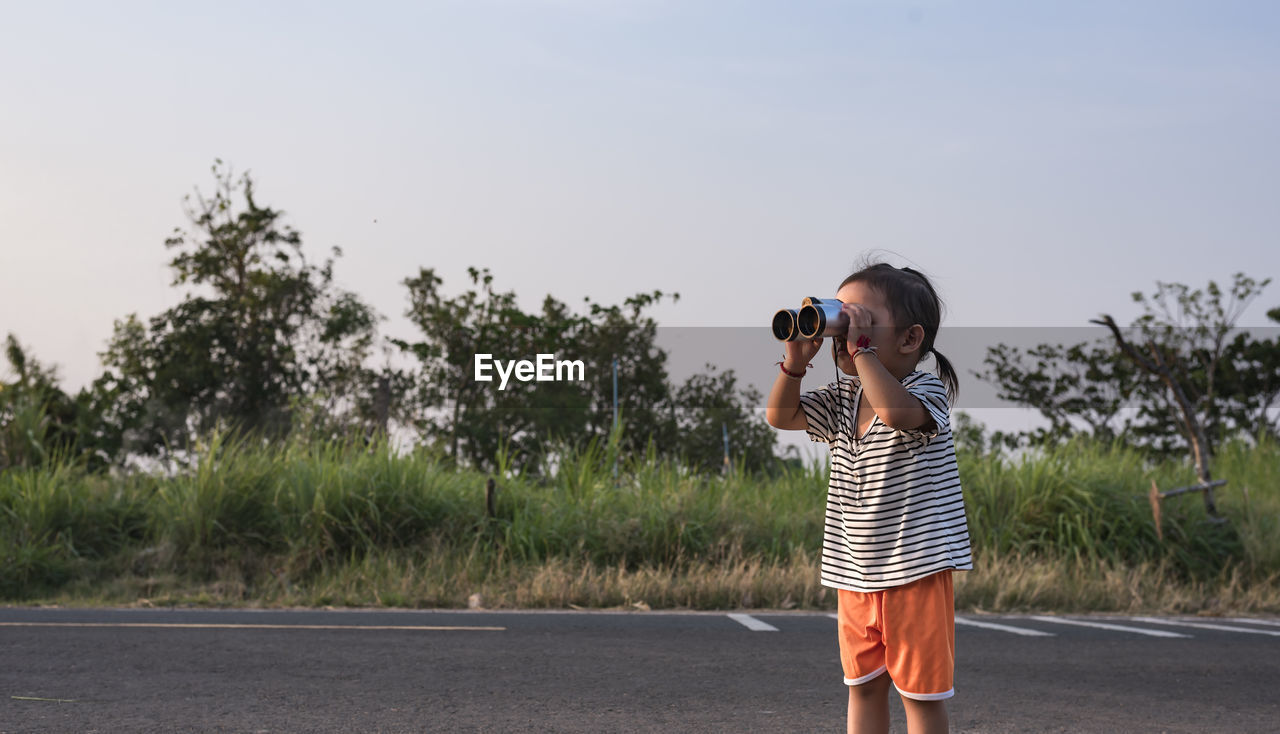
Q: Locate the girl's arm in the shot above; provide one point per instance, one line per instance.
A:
(783, 410)
(897, 408)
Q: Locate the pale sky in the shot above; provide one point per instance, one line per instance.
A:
(1040, 161)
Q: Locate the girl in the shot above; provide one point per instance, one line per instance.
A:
(895, 518)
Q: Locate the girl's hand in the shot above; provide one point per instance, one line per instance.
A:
(800, 352)
(861, 322)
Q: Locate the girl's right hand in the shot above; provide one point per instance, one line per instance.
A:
(800, 352)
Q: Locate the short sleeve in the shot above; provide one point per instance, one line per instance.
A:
(933, 394)
(820, 408)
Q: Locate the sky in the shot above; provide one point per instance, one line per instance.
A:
(1039, 161)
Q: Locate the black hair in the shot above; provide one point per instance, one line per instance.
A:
(913, 300)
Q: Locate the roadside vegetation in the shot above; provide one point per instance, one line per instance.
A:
(612, 489)
(1066, 528)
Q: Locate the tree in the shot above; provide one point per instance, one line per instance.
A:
(1095, 387)
(1083, 387)
(1189, 377)
(40, 424)
(1182, 341)
(625, 334)
(456, 411)
(471, 419)
(32, 414)
(710, 404)
(343, 397)
(239, 355)
(1251, 374)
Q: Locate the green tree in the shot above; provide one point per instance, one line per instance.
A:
(1086, 387)
(625, 334)
(455, 411)
(33, 411)
(709, 405)
(1182, 378)
(268, 334)
(470, 420)
(1183, 340)
(40, 424)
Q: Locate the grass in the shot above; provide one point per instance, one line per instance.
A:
(316, 524)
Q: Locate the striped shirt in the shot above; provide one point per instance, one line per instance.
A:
(895, 512)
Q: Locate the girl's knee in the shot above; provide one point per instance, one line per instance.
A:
(924, 706)
(926, 717)
(877, 687)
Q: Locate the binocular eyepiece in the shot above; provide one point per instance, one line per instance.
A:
(816, 318)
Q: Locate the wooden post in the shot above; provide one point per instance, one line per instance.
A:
(724, 428)
(1154, 497)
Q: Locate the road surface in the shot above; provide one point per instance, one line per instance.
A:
(125, 670)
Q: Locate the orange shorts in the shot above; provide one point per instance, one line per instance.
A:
(908, 631)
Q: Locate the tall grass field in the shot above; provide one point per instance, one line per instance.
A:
(317, 524)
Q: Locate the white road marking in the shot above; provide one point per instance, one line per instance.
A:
(1250, 620)
(1104, 626)
(753, 624)
(1204, 626)
(195, 626)
(1004, 628)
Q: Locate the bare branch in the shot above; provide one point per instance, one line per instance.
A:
(1125, 346)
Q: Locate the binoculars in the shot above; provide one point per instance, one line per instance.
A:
(816, 318)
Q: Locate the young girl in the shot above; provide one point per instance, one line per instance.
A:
(895, 518)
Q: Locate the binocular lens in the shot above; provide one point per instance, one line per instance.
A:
(809, 321)
(784, 325)
(822, 319)
(816, 318)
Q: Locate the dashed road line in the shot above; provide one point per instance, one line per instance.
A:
(1205, 626)
(1004, 628)
(1105, 626)
(751, 623)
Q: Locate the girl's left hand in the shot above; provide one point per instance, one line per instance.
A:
(860, 324)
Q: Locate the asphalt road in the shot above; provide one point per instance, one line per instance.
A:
(65, 670)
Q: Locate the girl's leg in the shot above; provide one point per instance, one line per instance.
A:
(925, 717)
(869, 706)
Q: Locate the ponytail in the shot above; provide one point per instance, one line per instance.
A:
(948, 375)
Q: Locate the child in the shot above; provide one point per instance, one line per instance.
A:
(895, 518)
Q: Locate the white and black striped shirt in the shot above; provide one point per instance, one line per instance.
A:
(895, 512)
